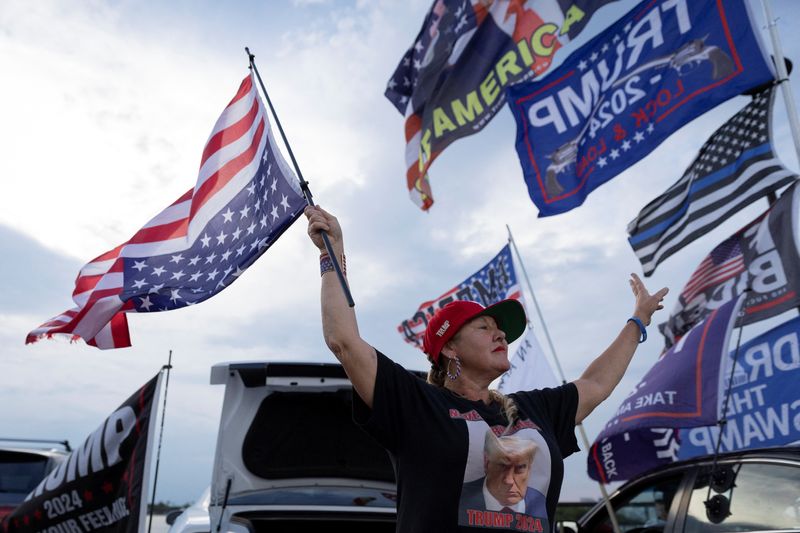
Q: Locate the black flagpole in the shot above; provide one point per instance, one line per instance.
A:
(166, 367)
(303, 182)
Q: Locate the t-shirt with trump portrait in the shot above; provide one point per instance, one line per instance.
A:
(458, 468)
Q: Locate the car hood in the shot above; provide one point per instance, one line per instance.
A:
(289, 425)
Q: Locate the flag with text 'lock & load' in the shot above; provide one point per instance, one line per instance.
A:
(619, 96)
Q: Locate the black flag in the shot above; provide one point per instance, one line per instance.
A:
(100, 487)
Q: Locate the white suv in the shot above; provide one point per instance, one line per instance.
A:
(289, 456)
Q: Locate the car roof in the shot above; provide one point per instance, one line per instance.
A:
(35, 446)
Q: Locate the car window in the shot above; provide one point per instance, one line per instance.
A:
(760, 496)
(20, 473)
(644, 507)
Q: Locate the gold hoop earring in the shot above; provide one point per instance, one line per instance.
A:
(450, 375)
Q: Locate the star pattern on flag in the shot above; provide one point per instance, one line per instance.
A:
(745, 130)
(445, 25)
(241, 231)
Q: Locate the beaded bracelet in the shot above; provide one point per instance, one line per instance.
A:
(326, 264)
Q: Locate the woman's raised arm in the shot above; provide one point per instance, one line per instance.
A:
(605, 372)
(339, 325)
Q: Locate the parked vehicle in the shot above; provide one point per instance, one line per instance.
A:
(751, 490)
(290, 458)
(23, 464)
(193, 519)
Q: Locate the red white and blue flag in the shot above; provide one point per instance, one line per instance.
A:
(494, 282)
(449, 84)
(245, 197)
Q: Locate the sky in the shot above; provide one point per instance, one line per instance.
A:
(106, 108)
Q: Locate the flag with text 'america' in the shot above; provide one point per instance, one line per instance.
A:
(449, 84)
(619, 96)
(735, 167)
(495, 281)
(245, 197)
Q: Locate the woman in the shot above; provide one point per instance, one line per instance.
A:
(450, 475)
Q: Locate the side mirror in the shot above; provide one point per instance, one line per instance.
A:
(567, 526)
(172, 516)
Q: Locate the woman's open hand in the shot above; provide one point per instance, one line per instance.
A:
(646, 303)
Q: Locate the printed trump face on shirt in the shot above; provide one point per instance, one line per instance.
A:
(507, 476)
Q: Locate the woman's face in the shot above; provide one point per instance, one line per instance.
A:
(481, 346)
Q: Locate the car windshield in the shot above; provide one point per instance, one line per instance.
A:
(19, 475)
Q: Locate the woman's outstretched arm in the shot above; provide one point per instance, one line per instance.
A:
(605, 372)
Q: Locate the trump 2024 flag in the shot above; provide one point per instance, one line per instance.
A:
(102, 485)
(245, 197)
(619, 96)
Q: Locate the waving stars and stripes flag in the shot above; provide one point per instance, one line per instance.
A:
(245, 197)
(735, 167)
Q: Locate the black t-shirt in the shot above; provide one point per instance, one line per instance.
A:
(436, 442)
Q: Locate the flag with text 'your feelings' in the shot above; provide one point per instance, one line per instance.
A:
(449, 84)
(245, 198)
(681, 390)
(763, 257)
(619, 96)
(101, 486)
(735, 167)
(496, 281)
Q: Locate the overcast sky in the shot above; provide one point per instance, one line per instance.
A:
(106, 107)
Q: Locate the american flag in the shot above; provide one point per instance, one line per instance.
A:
(245, 197)
(735, 167)
(495, 281)
(723, 263)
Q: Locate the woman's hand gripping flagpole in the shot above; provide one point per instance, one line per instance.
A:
(303, 184)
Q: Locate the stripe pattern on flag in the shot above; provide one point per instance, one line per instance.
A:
(448, 84)
(245, 197)
(723, 263)
(735, 167)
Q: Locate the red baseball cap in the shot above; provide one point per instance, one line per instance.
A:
(445, 323)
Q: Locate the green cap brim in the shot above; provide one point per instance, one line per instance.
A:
(510, 317)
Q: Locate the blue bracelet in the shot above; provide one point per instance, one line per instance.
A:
(642, 329)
